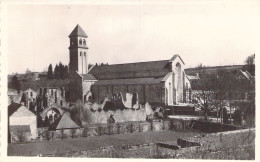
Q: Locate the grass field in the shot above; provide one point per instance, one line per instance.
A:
(89, 143)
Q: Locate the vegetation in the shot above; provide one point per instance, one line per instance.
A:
(16, 83)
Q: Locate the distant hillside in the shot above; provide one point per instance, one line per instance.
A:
(212, 71)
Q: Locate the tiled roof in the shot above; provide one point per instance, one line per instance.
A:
(88, 77)
(78, 31)
(64, 122)
(154, 80)
(19, 128)
(13, 107)
(129, 67)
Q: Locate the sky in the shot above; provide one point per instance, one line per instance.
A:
(213, 33)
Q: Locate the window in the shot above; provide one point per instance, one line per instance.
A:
(84, 41)
(51, 92)
(61, 104)
(80, 53)
(84, 53)
(80, 41)
(31, 94)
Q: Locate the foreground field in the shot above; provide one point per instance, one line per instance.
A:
(89, 143)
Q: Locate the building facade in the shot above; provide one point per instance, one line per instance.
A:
(160, 82)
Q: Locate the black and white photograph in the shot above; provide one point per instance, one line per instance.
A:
(129, 79)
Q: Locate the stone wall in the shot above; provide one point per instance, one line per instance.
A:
(237, 144)
(152, 93)
(125, 115)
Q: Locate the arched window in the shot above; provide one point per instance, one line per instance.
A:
(84, 41)
(80, 41)
(31, 94)
(51, 92)
(61, 103)
(80, 53)
(84, 53)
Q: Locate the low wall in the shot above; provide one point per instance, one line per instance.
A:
(90, 117)
(211, 127)
(164, 150)
(238, 144)
(135, 151)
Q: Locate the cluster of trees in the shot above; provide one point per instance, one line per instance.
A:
(60, 71)
(15, 83)
(224, 90)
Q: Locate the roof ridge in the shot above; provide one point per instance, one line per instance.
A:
(133, 63)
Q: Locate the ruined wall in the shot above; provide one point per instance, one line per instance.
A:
(152, 93)
(90, 117)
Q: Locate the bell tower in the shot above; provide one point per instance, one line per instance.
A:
(78, 51)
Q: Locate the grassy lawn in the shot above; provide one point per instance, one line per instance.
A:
(89, 143)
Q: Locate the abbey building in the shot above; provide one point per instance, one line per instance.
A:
(159, 82)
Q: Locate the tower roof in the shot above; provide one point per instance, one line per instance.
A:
(78, 31)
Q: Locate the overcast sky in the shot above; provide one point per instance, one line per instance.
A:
(209, 33)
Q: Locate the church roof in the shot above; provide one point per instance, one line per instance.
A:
(130, 67)
(153, 80)
(78, 31)
(63, 122)
(88, 77)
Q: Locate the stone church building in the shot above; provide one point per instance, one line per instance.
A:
(159, 82)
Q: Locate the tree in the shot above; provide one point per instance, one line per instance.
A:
(50, 72)
(250, 64)
(56, 70)
(16, 83)
(250, 60)
(73, 133)
(204, 96)
(27, 71)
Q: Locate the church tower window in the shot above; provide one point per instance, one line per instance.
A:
(80, 41)
(84, 53)
(84, 42)
(80, 53)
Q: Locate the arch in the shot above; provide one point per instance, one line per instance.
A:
(53, 113)
(84, 42)
(80, 41)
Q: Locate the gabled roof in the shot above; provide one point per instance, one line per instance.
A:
(129, 67)
(154, 80)
(88, 77)
(22, 111)
(13, 107)
(246, 74)
(174, 57)
(19, 128)
(63, 122)
(78, 31)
